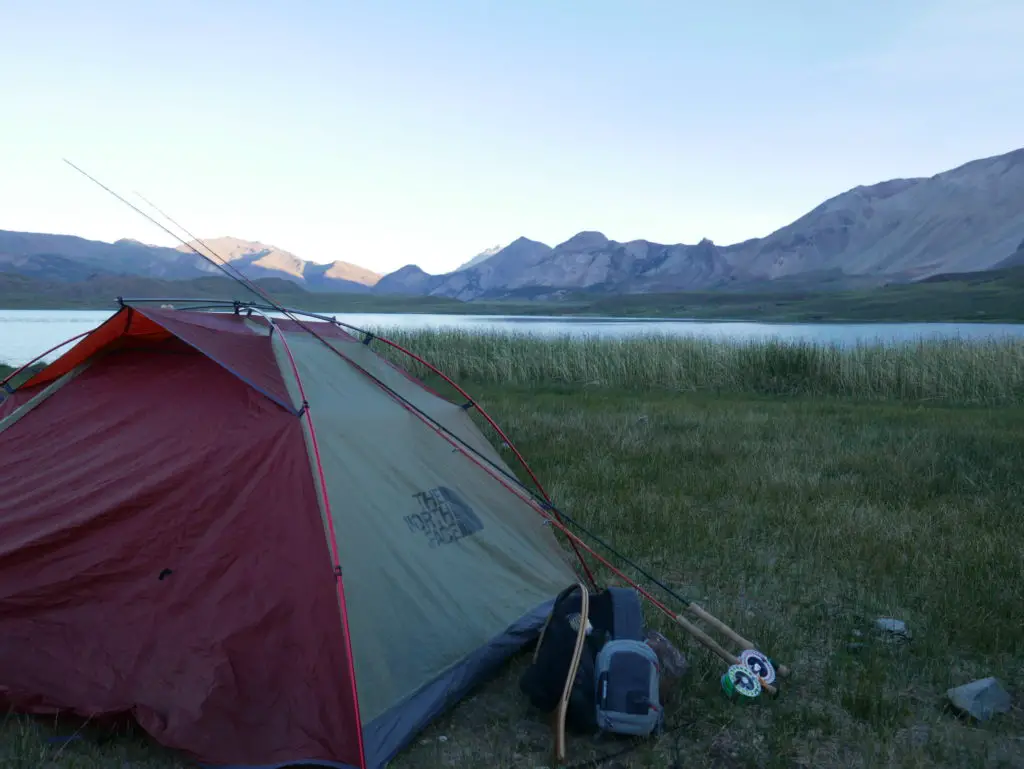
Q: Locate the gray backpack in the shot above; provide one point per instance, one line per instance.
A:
(626, 673)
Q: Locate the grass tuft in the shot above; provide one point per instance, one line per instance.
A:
(952, 370)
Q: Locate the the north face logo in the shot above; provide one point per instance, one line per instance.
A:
(444, 516)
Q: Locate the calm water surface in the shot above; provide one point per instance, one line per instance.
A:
(24, 334)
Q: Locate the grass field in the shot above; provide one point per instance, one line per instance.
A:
(951, 371)
(796, 493)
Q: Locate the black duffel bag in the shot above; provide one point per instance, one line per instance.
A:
(544, 680)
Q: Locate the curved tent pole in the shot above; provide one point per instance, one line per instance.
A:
(330, 526)
(39, 357)
(494, 425)
(552, 516)
(470, 402)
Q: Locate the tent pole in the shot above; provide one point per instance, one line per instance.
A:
(39, 357)
(330, 528)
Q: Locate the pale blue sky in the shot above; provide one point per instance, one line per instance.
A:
(386, 132)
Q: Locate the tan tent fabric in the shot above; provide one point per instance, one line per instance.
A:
(453, 417)
(432, 547)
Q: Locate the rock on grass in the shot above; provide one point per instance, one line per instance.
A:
(981, 699)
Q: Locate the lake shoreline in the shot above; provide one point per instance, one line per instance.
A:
(24, 334)
(490, 311)
(994, 296)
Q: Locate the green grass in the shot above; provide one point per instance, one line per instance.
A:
(797, 522)
(950, 370)
(797, 507)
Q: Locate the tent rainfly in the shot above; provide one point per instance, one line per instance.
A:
(220, 526)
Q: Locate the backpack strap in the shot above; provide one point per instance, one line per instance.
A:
(554, 608)
(558, 726)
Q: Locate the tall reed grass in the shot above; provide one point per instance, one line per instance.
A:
(986, 372)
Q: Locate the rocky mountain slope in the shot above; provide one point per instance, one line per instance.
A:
(483, 256)
(259, 260)
(1015, 260)
(68, 258)
(967, 219)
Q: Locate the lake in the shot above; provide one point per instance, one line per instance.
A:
(24, 334)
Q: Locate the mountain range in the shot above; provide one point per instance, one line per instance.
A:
(67, 258)
(967, 219)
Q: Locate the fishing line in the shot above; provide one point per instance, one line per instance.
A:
(230, 272)
(513, 479)
(369, 336)
(142, 213)
(237, 274)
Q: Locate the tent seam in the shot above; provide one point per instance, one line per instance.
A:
(41, 397)
(229, 369)
(339, 581)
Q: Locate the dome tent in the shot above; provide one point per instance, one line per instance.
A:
(220, 525)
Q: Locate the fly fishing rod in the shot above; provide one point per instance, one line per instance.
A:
(750, 659)
(241, 278)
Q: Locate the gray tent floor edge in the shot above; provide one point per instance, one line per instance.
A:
(390, 732)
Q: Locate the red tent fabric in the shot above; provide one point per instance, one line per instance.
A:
(213, 603)
(226, 339)
(17, 399)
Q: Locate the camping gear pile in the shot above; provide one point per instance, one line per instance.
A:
(592, 669)
(595, 670)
